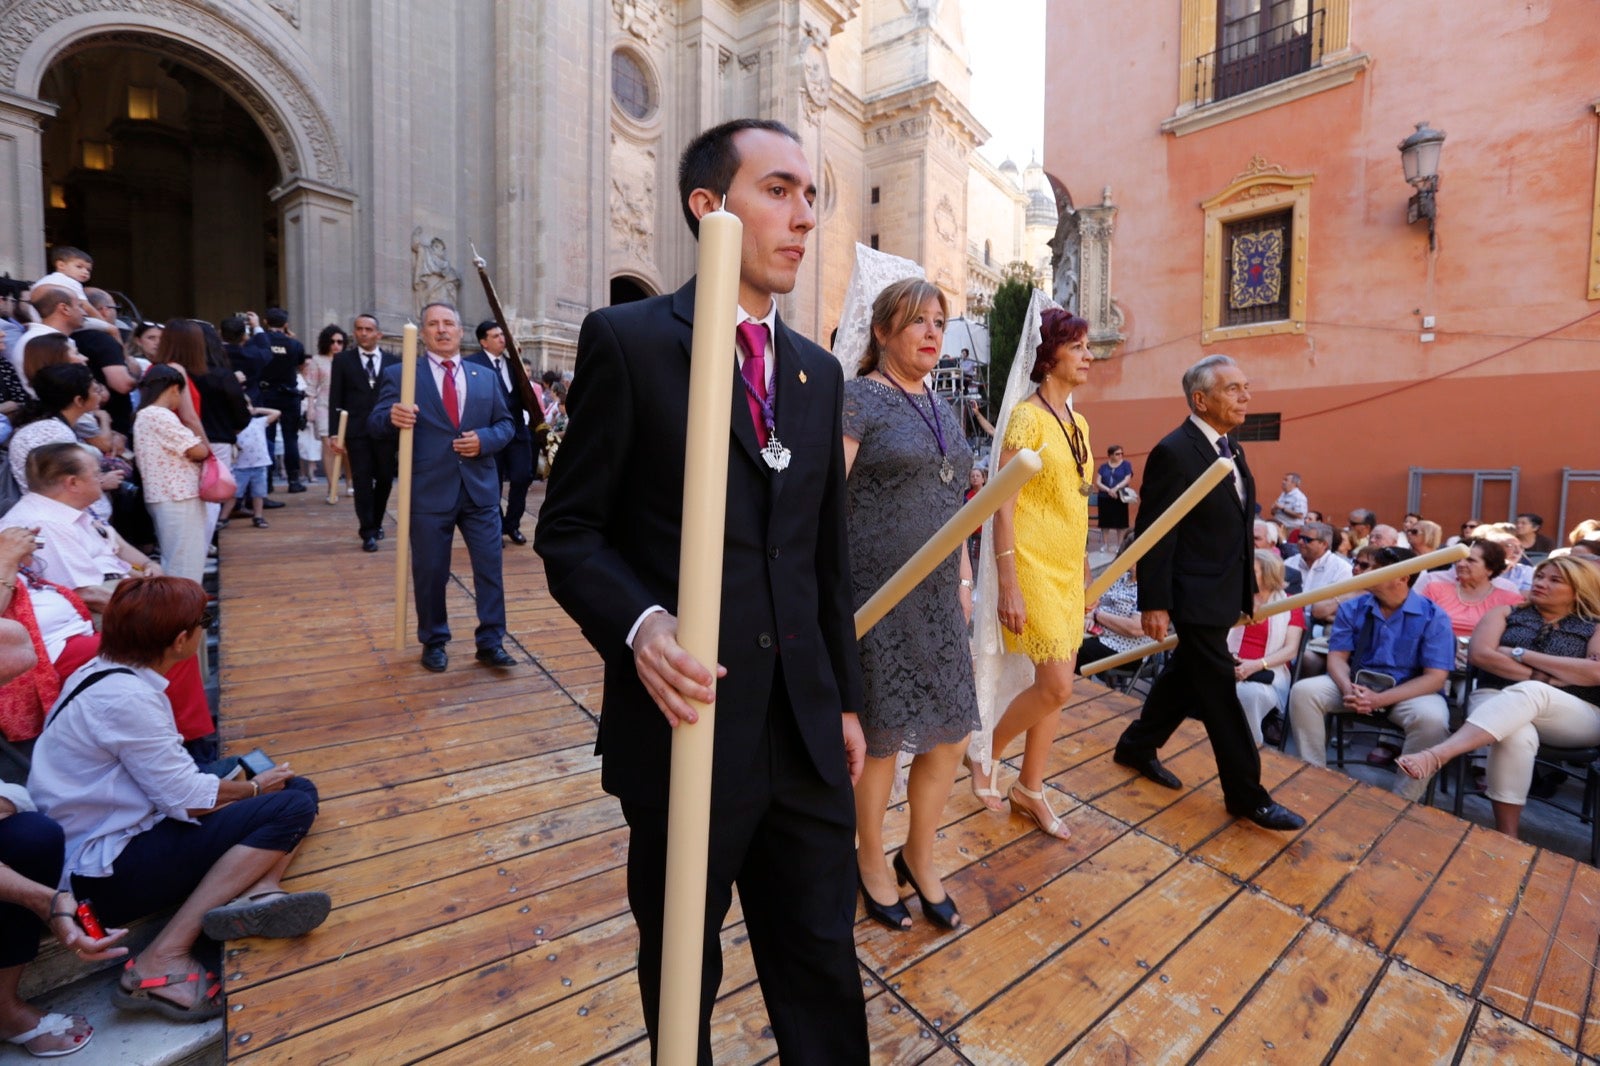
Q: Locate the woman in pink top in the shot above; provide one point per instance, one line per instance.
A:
(169, 445)
(1473, 593)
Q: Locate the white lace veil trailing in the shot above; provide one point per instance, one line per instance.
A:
(999, 675)
(873, 272)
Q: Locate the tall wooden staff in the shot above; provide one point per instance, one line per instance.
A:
(519, 373)
(338, 458)
(705, 501)
(1355, 583)
(402, 533)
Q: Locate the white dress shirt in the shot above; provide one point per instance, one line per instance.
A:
(436, 364)
(78, 551)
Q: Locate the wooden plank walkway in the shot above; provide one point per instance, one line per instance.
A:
(481, 915)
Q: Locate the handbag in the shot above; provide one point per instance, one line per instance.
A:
(216, 481)
(1127, 494)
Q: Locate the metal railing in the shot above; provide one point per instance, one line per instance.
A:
(1290, 48)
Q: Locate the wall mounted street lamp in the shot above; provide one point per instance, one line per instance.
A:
(1419, 155)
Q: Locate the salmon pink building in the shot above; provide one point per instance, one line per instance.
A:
(1230, 181)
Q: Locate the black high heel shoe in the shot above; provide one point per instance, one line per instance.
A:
(895, 915)
(942, 913)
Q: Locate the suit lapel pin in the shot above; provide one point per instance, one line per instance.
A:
(802, 377)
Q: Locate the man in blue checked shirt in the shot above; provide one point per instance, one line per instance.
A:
(1390, 652)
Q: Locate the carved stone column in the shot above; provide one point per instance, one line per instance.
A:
(1095, 226)
(317, 223)
(21, 196)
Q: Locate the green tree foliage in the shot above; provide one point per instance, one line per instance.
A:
(1006, 316)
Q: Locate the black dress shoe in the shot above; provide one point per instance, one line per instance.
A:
(297, 486)
(517, 536)
(369, 544)
(379, 533)
(495, 656)
(273, 505)
(1271, 816)
(434, 658)
(1149, 766)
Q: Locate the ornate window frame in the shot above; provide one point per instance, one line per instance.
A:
(651, 121)
(1260, 189)
(1594, 227)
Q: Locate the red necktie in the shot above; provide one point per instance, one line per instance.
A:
(452, 406)
(753, 342)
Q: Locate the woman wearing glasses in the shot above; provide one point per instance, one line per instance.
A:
(1112, 481)
(145, 829)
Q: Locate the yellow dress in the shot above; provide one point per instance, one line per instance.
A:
(1051, 527)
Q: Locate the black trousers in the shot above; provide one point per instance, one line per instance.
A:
(787, 839)
(515, 464)
(34, 847)
(372, 471)
(1198, 683)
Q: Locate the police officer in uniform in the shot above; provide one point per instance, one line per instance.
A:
(280, 387)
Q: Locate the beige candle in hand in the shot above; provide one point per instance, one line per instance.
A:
(402, 533)
(705, 499)
(338, 456)
(1006, 484)
(1159, 528)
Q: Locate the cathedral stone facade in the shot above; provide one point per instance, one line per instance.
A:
(217, 155)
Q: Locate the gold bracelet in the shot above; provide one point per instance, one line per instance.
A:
(255, 785)
(1008, 551)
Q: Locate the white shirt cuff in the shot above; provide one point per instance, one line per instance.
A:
(637, 622)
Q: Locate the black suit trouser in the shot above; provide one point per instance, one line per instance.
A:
(515, 465)
(287, 404)
(1198, 683)
(372, 470)
(787, 839)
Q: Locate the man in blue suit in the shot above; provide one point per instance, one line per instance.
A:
(461, 421)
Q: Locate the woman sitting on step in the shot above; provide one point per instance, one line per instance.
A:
(147, 830)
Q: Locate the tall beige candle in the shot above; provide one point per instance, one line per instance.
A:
(1159, 528)
(989, 499)
(402, 533)
(705, 498)
(1357, 583)
(337, 459)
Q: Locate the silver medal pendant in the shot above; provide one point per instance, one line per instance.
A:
(775, 455)
(947, 473)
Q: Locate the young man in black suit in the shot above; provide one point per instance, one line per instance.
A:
(788, 745)
(515, 460)
(353, 387)
(1200, 578)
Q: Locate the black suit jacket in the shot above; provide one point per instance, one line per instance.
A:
(513, 401)
(610, 529)
(348, 390)
(1201, 572)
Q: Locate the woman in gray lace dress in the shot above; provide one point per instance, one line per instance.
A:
(908, 466)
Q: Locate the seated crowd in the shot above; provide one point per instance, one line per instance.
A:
(106, 522)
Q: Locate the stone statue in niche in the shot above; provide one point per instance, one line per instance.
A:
(433, 279)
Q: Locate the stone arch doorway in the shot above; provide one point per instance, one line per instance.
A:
(261, 69)
(626, 289)
(151, 166)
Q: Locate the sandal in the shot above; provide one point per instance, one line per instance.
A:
(207, 1003)
(986, 793)
(1416, 765)
(1057, 828)
(276, 914)
(259, 523)
(74, 1025)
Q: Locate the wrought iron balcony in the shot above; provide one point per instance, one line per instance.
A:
(1289, 48)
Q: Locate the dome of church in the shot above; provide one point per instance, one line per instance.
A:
(1041, 209)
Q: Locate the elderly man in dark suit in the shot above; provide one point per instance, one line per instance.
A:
(353, 387)
(788, 744)
(460, 422)
(1199, 578)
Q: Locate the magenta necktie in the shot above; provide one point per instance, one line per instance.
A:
(753, 342)
(452, 405)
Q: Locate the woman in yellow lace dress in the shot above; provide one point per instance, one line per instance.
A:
(1039, 544)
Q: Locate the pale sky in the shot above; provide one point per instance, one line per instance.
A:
(1005, 39)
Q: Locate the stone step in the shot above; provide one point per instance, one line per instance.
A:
(130, 1038)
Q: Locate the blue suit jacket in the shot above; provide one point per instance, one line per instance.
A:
(438, 473)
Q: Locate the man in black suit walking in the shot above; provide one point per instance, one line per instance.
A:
(788, 745)
(1200, 578)
(353, 387)
(515, 460)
